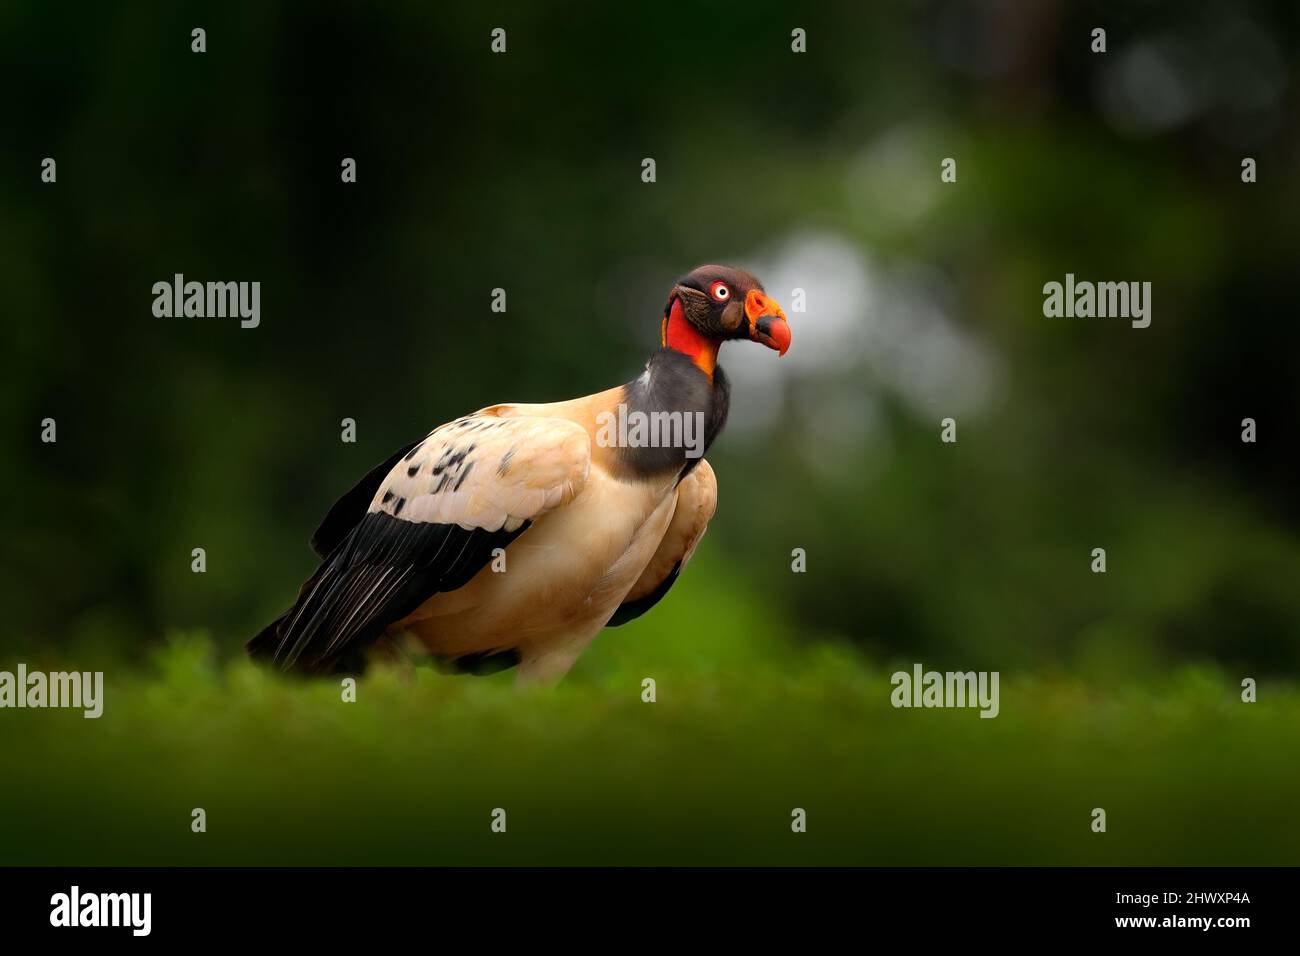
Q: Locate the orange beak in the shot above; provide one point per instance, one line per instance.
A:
(767, 322)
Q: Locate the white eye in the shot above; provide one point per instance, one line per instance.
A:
(720, 291)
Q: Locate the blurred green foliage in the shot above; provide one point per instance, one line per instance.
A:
(710, 773)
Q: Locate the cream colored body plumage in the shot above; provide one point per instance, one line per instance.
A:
(594, 537)
(513, 536)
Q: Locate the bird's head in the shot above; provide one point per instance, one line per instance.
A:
(712, 304)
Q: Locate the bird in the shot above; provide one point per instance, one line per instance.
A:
(512, 536)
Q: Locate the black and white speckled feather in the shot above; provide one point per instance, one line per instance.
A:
(487, 470)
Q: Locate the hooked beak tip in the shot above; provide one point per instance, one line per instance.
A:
(779, 336)
(767, 323)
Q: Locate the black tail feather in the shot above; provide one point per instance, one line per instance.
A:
(262, 646)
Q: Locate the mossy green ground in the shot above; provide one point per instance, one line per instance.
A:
(742, 732)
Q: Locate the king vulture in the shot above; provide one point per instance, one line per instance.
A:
(513, 535)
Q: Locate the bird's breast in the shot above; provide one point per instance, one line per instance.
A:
(566, 574)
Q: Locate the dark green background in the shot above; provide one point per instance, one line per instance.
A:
(522, 171)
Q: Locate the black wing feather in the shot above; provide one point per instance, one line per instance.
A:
(352, 507)
(631, 610)
(379, 573)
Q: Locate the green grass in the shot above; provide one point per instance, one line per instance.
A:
(708, 774)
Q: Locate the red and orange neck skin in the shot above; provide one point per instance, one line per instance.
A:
(679, 335)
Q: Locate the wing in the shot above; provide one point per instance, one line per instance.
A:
(351, 508)
(697, 499)
(435, 518)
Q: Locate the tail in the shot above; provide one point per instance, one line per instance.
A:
(263, 645)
